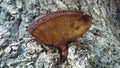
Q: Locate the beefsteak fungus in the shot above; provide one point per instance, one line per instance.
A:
(59, 28)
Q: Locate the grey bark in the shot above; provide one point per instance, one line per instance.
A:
(17, 50)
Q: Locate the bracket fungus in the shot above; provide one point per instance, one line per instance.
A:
(60, 28)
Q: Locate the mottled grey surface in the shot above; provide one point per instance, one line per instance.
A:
(17, 50)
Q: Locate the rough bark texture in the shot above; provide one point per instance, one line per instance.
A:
(17, 50)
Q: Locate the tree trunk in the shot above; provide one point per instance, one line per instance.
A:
(18, 50)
